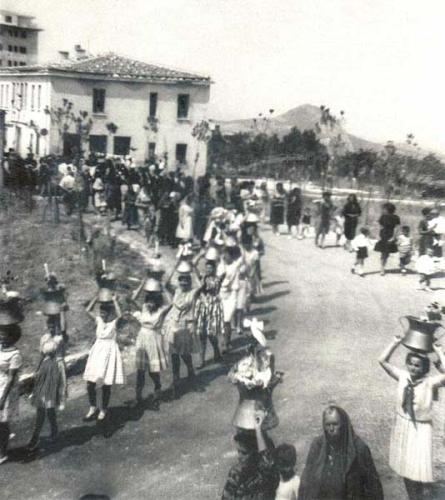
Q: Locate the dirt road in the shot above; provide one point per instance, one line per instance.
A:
(327, 328)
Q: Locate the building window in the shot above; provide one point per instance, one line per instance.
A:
(98, 143)
(183, 105)
(151, 149)
(121, 145)
(32, 96)
(8, 19)
(9, 63)
(9, 48)
(1, 46)
(22, 50)
(98, 100)
(15, 63)
(22, 64)
(153, 104)
(181, 153)
(16, 48)
(39, 96)
(24, 34)
(16, 33)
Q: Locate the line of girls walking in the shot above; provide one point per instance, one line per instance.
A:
(176, 321)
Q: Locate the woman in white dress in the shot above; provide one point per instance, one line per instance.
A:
(410, 453)
(10, 363)
(184, 231)
(229, 271)
(150, 353)
(104, 365)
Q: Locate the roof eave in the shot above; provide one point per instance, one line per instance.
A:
(66, 73)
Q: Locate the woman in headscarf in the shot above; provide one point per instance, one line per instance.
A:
(339, 465)
(351, 213)
(411, 446)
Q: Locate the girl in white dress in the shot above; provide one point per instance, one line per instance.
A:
(150, 353)
(10, 363)
(184, 231)
(104, 365)
(411, 446)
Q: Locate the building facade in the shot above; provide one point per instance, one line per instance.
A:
(19, 40)
(106, 104)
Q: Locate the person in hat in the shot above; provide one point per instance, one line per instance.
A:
(179, 329)
(256, 378)
(10, 364)
(339, 464)
(426, 235)
(254, 476)
(208, 309)
(411, 445)
(104, 364)
(229, 271)
(50, 384)
(130, 216)
(150, 352)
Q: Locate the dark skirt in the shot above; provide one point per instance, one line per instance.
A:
(49, 383)
(362, 253)
(277, 215)
(386, 247)
(350, 227)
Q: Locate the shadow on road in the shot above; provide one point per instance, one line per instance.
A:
(274, 283)
(260, 311)
(262, 299)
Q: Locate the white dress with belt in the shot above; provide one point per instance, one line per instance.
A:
(104, 364)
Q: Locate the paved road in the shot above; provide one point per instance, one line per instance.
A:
(327, 328)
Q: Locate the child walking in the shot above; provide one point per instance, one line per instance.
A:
(50, 386)
(104, 365)
(426, 267)
(285, 461)
(405, 247)
(305, 223)
(360, 244)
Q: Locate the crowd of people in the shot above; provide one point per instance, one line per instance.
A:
(204, 299)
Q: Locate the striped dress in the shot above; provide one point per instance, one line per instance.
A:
(208, 309)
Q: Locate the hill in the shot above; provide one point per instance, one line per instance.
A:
(304, 117)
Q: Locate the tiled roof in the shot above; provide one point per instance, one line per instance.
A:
(114, 66)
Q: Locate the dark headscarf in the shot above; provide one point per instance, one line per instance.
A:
(358, 474)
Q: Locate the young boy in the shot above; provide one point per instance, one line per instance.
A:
(305, 223)
(285, 461)
(360, 244)
(405, 247)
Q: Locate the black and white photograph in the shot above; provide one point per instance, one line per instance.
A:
(222, 273)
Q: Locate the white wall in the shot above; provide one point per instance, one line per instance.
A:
(24, 109)
(127, 106)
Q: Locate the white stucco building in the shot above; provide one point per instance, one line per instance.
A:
(137, 109)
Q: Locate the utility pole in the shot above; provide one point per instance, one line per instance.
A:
(2, 146)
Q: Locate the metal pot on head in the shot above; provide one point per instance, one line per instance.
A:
(420, 334)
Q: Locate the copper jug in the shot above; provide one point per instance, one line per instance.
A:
(419, 336)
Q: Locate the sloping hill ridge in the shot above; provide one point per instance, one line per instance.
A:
(304, 117)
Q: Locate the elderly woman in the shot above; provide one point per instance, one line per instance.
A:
(339, 465)
(411, 446)
(387, 245)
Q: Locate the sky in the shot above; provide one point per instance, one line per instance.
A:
(382, 61)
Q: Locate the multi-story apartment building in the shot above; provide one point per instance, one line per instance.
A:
(135, 109)
(19, 38)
